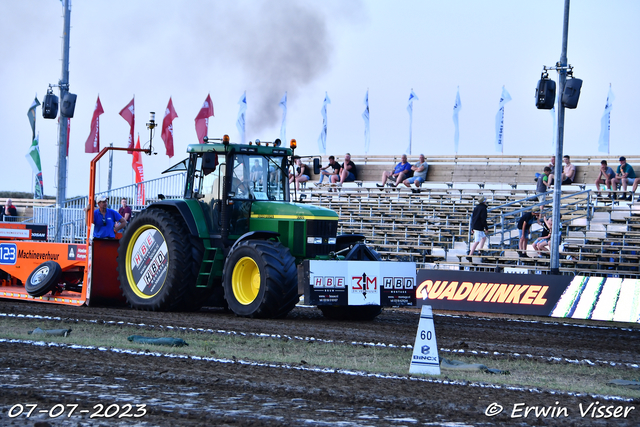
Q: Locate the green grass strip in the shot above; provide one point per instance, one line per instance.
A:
(524, 373)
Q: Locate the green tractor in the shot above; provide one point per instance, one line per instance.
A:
(235, 240)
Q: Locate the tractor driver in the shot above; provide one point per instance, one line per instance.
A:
(240, 189)
(107, 221)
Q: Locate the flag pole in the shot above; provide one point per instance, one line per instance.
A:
(609, 142)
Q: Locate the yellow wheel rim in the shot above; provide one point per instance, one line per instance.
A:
(245, 280)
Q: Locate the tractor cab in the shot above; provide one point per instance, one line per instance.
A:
(227, 180)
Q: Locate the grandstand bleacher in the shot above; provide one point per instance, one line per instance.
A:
(599, 237)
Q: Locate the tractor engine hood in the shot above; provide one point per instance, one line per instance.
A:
(290, 211)
(308, 231)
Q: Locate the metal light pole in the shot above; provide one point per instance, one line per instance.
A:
(557, 173)
(61, 194)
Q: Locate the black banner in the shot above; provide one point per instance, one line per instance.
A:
(531, 294)
(38, 231)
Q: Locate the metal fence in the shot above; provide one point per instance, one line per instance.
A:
(138, 197)
(504, 220)
(74, 229)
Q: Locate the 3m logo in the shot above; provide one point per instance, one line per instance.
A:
(398, 282)
(364, 283)
(328, 282)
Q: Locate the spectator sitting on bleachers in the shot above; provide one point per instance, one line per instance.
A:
(333, 165)
(541, 244)
(8, 211)
(568, 172)
(524, 226)
(401, 171)
(256, 172)
(552, 166)
(348, 172)
(625, 175)
(419, 173)
(301, 175)
(605, 176)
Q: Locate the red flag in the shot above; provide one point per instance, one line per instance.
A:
(92, 145)
(136, 164)
(202, 119)
(167, 127)
(128, 113)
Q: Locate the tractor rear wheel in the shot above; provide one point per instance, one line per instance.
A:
(43, 279)
(260, 279)
(156, 263)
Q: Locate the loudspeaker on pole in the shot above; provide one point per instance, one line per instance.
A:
(571, 93)
(68, 104)
(50, 106)
(545, 93)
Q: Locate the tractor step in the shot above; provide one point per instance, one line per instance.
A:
(205, 276)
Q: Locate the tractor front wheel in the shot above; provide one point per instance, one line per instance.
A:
(260, 279)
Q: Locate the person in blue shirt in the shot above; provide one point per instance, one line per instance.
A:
(107, 221)
(625, 175)
(400, 173)
(605, 177)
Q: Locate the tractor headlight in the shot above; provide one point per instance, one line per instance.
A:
(332, 240)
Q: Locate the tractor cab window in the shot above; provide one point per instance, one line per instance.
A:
(258, 177)
(204, 176)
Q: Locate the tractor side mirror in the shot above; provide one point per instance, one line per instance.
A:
(209, 163)
(316, 166)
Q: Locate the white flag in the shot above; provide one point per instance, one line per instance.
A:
(241, 123)
(605, 124)
(365, 117)
(412, 96)
(283, 126)
(456, 109)
(322, 139)
(504, 98)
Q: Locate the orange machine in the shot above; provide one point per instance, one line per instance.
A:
(32, 269)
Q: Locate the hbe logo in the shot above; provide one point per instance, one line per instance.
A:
(329, 282)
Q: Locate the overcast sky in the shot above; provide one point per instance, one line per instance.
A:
(186, 50)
